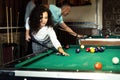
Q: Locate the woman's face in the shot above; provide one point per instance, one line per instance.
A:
(44, 19)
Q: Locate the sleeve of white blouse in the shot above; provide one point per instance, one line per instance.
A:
(27, 27)
(53, 38)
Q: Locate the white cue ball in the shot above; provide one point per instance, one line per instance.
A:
(25, 78)
(115, 60)
(82, 46)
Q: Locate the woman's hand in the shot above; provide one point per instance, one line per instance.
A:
(62, 51)
(65, 54)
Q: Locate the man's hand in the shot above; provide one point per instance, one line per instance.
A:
(27, 35)
(79, 36)
(27, 38)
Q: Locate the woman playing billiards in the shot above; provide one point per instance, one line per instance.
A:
(42, 30)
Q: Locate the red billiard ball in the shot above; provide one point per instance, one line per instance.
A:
(107, 36)
(67, 46)
(87, 49)
(77, 50)
(98, 66)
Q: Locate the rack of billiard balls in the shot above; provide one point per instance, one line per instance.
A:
(95, 49)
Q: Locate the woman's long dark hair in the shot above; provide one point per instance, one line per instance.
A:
(36, 15)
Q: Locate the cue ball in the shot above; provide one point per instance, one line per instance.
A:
(82, 46)
(58, 53)
(115, 60)
(98, 66)
(25, 78)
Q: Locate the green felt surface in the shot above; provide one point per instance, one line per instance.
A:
(83, 61)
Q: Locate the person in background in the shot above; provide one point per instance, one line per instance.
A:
(57, 17)
(41, 29)
(29, 8)
(30, 5)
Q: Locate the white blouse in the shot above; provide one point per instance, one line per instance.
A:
(46, 32)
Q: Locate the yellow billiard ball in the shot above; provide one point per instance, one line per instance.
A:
(82, 46)
(92, 50)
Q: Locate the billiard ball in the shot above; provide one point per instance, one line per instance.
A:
(96, 49)
(92, 50)
(107, 36)
(67, 46)
(82, 46)
(101, 49)
(91, 47)
(98, 66)
(25, 78)
(58, 53)
(115, 60)
(87, 49)
(90, 37)
(77, 50)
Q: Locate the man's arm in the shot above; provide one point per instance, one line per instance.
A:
(69, 30)
(27, 35)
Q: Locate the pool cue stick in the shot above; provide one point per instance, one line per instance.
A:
(11, 25)
(17, 23)
(35, 41)
(77, 39)
(8, 38)
(11, 32)
(71, 32)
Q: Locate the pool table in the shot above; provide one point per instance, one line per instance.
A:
(76, 66)
(82, 61)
